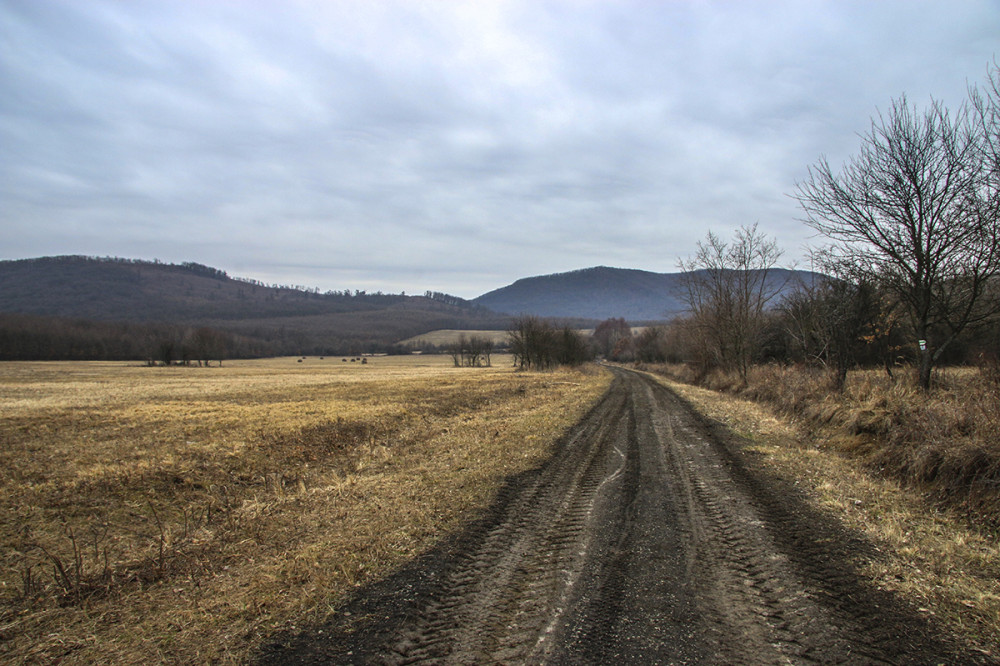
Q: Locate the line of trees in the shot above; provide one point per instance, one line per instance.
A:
(539, 344)
(917, 213)
(34, 337)
(835, 322)
(473, 351)
(912, 261)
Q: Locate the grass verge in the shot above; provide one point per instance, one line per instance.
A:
(931, 557)
(941, 442)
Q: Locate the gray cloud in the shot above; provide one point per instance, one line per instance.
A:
(449, 146)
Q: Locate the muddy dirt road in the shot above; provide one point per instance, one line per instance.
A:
(648, 538)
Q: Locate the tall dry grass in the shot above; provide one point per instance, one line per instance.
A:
(183, 514)
(943, 565)
(945, 442)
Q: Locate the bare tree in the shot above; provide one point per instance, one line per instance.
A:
(608, 334)
(910, 212)
(472, 352)
(728, 289)
(536, 343)
(484, 345)
(529, 338)
(457, 350)
(834, 321)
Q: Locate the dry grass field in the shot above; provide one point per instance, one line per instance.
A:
(941, 556)
(182, 514)
(447, 336)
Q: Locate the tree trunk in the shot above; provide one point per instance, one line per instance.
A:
(926, 365)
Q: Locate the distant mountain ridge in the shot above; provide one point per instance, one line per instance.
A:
(294, 320)
(603, 292)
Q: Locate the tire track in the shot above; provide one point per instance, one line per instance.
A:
(504, 599)
(649, 537)
(773, 587)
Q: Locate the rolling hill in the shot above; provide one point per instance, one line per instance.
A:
(271, 319)
(601, 293)
(107, 307)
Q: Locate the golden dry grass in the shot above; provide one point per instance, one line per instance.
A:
(935, 559)
(942, 441)
(447, 336)
(183, 514)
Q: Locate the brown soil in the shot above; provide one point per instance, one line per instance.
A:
(649, 537)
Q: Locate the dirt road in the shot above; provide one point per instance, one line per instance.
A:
(648, 538)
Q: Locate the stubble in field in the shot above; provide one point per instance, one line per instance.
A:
(182, 514)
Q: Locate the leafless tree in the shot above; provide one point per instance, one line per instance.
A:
(536, 343)
(532, 342)
(834, 322)
(608, 334)
(457, 351)
(728, 289)
(912, 212)
(471, 351)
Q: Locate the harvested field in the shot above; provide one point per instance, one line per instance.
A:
(181, 514)
(447, 336)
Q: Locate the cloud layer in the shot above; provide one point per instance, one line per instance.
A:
(447, 146)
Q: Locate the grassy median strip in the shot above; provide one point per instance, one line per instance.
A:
(932, 557)
(183, 514)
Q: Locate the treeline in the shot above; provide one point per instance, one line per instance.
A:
(539, 344)
(831, 325)
(447, 299)
(202, 270)
(737, 318)
(455, 301)
(33, 338)
(474, 351)
(41, 338)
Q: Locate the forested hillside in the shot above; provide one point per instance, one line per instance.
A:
(602, 293)
(84, 307)
(129, 290)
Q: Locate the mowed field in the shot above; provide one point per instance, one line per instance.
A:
(184, 514)
(448, 336)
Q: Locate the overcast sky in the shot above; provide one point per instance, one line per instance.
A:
(452, 146)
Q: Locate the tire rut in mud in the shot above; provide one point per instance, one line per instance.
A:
(648, 537)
